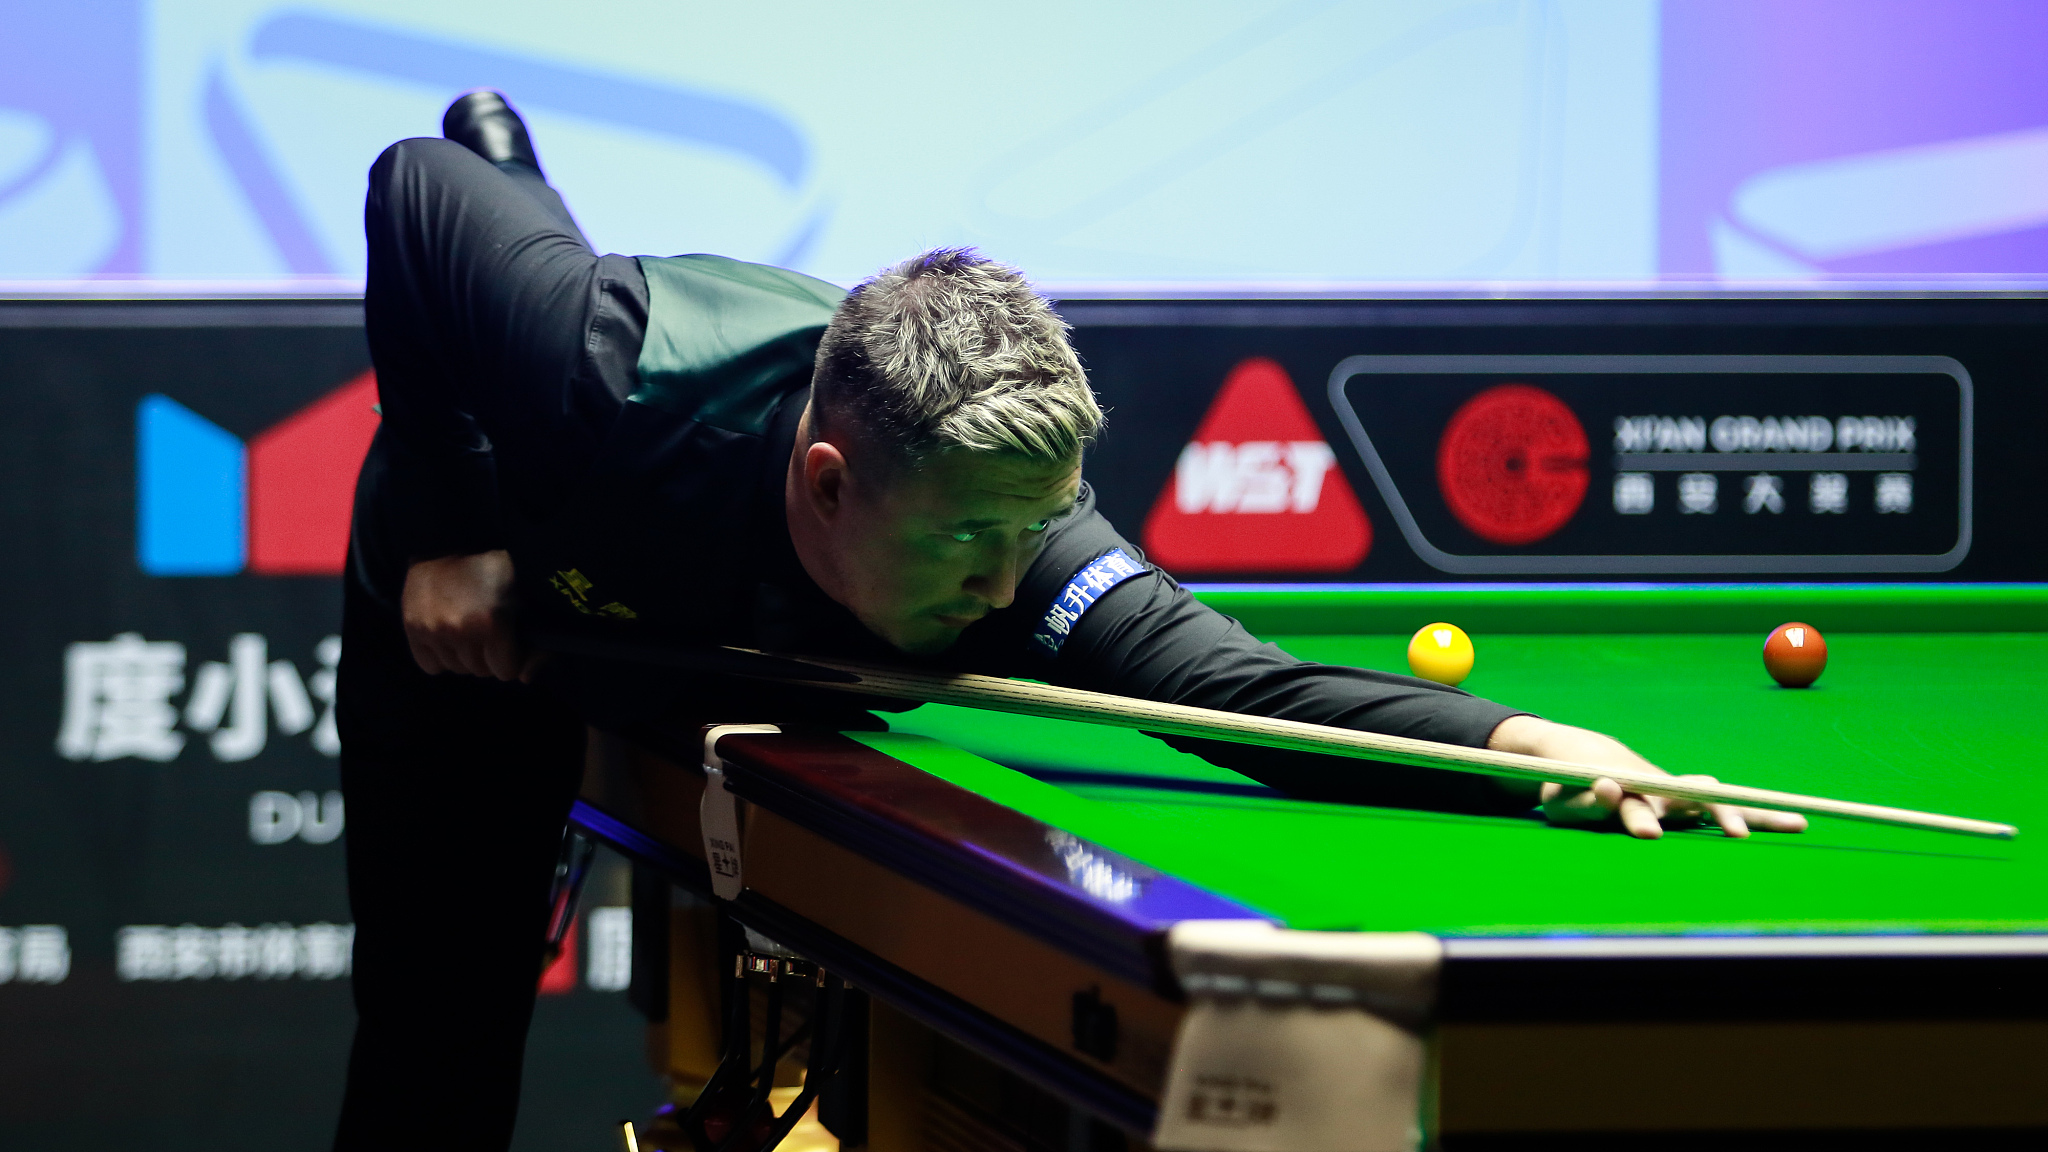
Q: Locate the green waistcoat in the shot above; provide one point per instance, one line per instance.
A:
(724, 337)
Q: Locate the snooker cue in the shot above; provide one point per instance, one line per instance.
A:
(1026, 698)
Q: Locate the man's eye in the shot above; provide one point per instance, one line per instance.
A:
(1038, 525)
(965, 537)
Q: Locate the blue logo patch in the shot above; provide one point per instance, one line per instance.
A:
(1103, 573)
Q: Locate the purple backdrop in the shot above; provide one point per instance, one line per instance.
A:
(1753, 85)
(79, 66)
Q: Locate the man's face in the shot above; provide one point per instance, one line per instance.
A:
(921, 554)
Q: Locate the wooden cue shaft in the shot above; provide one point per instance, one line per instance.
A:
(1028, 699)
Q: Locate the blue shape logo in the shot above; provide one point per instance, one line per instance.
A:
(190, 480)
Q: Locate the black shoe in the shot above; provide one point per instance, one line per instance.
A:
(484, 123)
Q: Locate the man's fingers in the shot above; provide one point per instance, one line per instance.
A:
(425, 656)
(1771, 820)
(1639, 817)
(1738, 822)
(1645, 816)
(1677, 810)
(1729, 817)
(475, 661)
(500, 650)
(1687, 813)
(479, 656)
(451, 608)
(1594, 805)
(1583, 806)
(532, 665)
(1606, 794)
(469, 648)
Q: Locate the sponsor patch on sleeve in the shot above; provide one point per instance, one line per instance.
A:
(1102, 573)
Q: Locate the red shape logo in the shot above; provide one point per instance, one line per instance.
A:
(302, 481)
(1258, 488)
(1512, 464)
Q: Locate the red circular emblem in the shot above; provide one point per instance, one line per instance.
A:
(1512, 464)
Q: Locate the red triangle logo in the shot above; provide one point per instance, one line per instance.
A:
(1258, 488)
(302, 482)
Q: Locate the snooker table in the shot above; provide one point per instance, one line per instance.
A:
(1001, 886)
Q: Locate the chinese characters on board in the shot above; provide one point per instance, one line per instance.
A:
(1834, 455)
(34, 954)
(120, 699)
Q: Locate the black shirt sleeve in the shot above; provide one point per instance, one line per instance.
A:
(1148, 637)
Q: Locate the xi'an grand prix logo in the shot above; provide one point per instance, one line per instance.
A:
(1541, 464)
(1258, 488)
(209, 505)
(1512, 464)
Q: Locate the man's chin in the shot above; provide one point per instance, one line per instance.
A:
(926, 635)
(928, 640)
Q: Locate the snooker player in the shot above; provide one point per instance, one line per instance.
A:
(703, 451)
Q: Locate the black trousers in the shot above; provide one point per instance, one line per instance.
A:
(458, 790)
(481, 313)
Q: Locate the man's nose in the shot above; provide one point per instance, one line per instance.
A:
(996, 579)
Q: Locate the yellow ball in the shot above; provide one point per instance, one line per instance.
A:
(1441, 652)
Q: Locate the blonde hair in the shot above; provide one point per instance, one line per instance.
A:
(950, 350)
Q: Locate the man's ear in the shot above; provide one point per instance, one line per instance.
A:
(825, 476)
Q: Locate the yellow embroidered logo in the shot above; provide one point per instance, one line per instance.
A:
(576, 587)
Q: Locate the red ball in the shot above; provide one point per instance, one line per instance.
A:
(1794, 654)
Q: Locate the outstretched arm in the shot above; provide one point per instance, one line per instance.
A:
(1155, 640)
(1149, 637)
